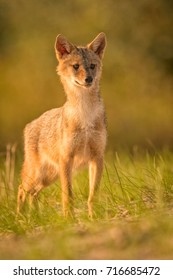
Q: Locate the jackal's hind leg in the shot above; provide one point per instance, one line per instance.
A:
(32, 193)
(21, 197)
(33, 196)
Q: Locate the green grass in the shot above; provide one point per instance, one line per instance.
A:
(132, 220)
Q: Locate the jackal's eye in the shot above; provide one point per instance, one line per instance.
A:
(92, 66)
(76, 66)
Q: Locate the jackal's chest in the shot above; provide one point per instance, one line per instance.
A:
(85, 140)
(84, 136)
(83, 133)
(86, 144)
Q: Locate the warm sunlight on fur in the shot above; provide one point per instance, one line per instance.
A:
(66, 138)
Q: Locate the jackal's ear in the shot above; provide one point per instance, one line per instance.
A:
(62, 47)
(98, 44)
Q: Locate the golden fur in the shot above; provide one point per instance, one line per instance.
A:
(64, 139)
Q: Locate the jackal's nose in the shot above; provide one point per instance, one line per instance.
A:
(89, 80)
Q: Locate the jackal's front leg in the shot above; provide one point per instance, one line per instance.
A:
(95, 173)
(66, 185)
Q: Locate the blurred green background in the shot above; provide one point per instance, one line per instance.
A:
(137, 82)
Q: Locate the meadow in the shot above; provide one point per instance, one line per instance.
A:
(132, 220)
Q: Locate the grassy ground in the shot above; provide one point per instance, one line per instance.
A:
(133, 213)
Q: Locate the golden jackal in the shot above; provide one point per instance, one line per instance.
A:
(64, 139)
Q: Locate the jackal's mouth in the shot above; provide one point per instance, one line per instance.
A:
(83, 85)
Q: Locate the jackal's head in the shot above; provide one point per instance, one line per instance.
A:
(80, 66)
